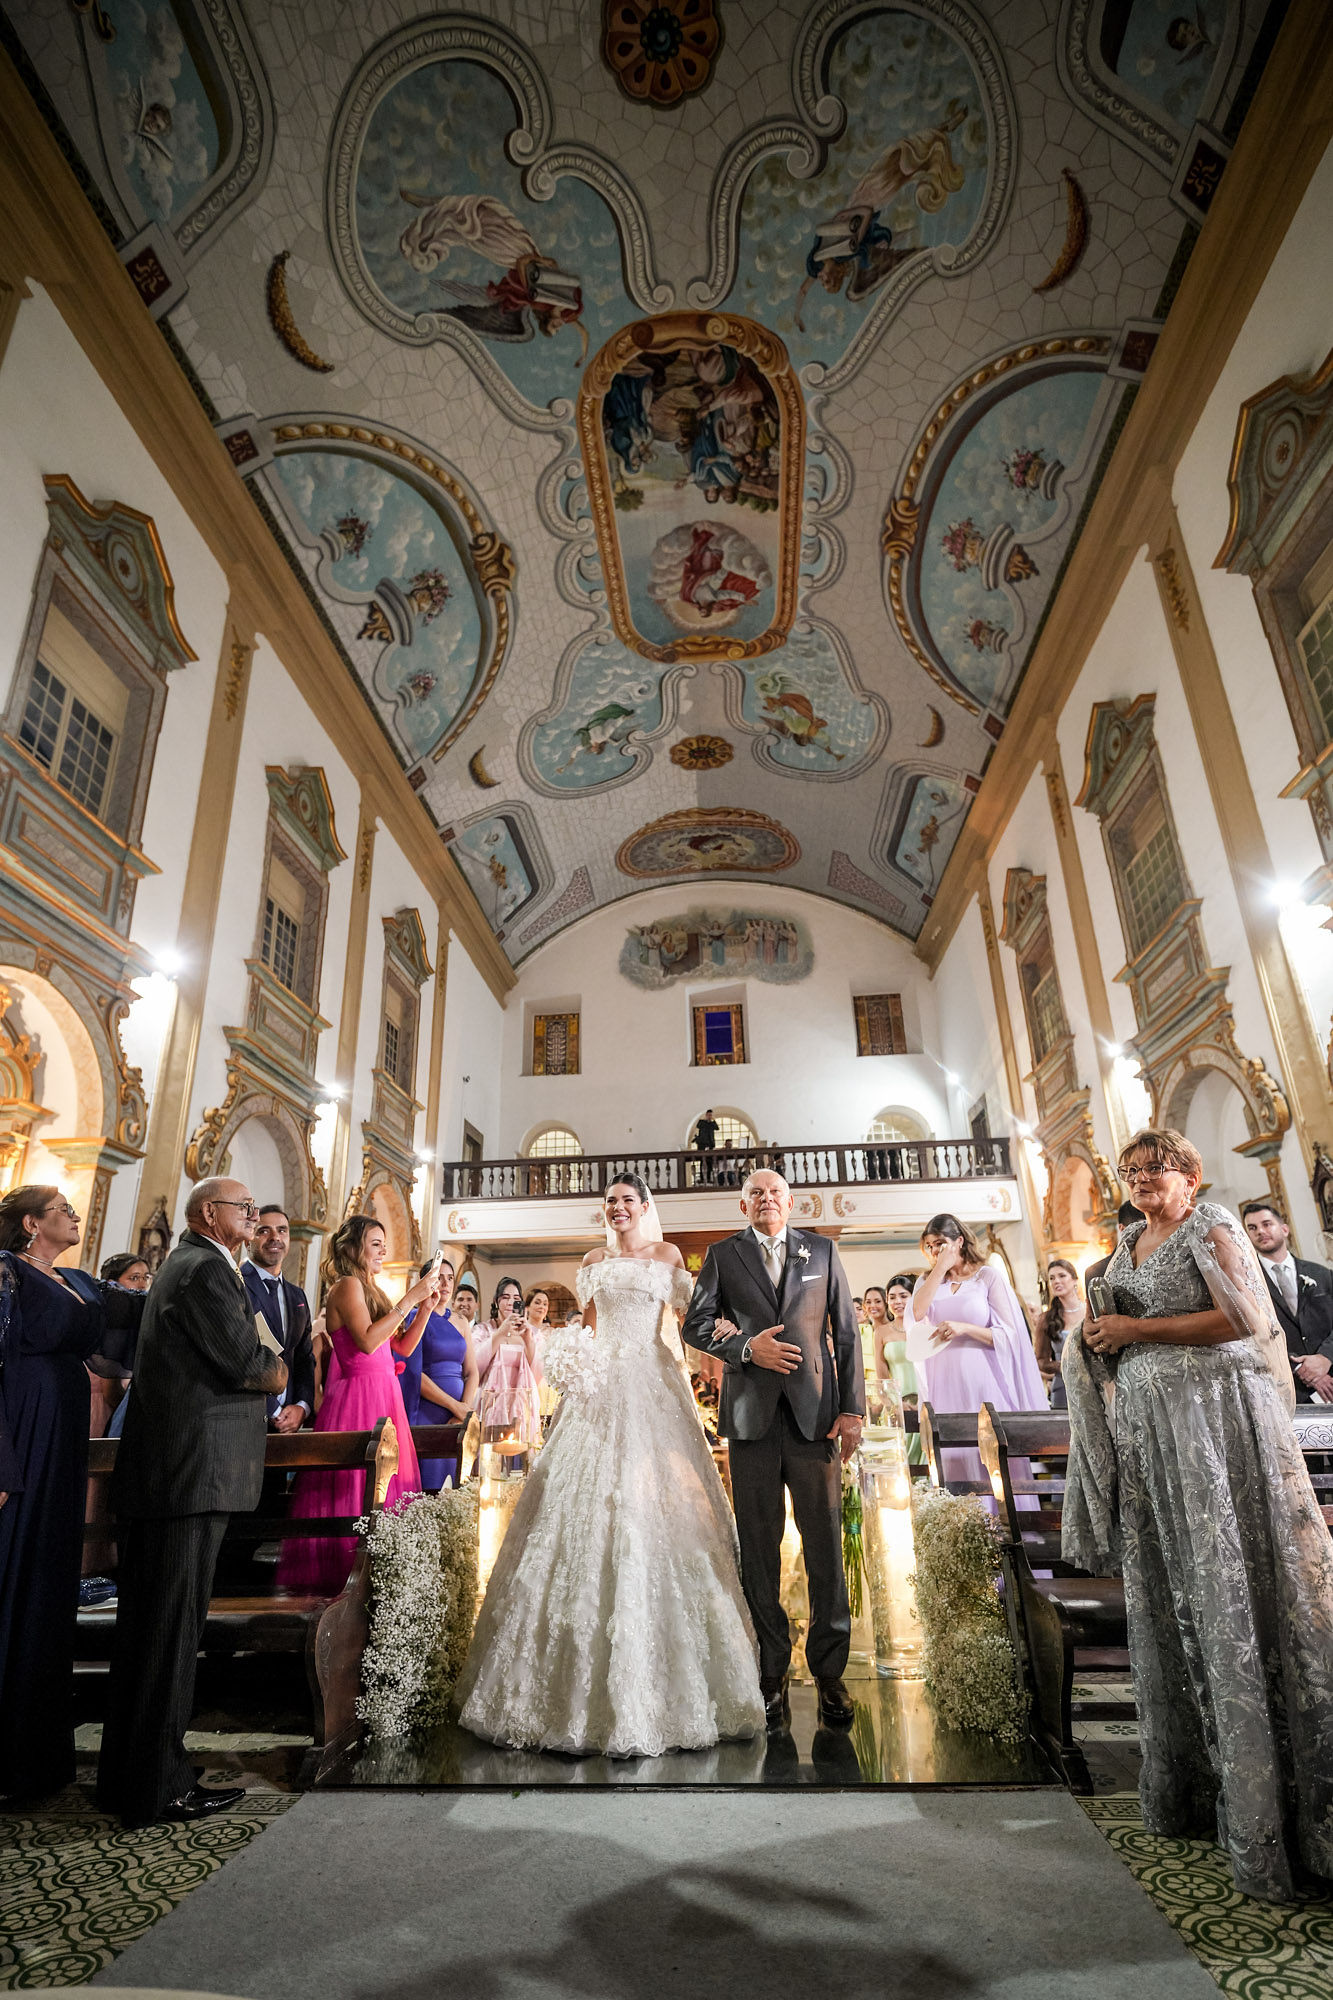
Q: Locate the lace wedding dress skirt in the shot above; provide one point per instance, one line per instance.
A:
(614, 1619)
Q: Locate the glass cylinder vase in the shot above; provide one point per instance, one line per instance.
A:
(890, 1552)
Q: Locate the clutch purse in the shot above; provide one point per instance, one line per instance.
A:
(1101, 1298)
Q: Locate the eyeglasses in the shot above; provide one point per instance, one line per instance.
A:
(246, 1207)
(1148, 1170)
(62, 1208)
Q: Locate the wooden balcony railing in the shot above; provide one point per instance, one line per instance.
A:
(585, 1174)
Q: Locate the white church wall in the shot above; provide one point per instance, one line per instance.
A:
(278, 729)
(57, 417)
(473, 1058)
(1288, 332)
(803, 1080)
(970, 1044)
(1132, 655)
(974, 1054)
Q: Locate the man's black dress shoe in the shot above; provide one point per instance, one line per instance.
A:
(835, 1704)
(777, 1705)
(199, 1802)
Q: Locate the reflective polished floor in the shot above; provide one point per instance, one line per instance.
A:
(895, 1741)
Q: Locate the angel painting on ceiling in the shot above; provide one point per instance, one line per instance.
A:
(532, 296)
(902, 188)
(854, 247)
(789, 711)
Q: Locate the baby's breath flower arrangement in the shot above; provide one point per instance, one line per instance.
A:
(971, 1674)
(423, 1600)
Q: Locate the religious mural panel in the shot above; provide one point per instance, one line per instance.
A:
(433, 215)
(183, 114)
(693, 436)
(388, 551)
(908, 173)
(929, 823)
(717, 944)
(1163, 51)
(495, 859)
(977, 531)
(703, 839)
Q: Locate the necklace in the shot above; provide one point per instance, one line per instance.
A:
(43, 1263)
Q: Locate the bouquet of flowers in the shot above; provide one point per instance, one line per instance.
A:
(572, 1363)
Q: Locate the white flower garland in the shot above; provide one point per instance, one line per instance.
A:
(971, 1673)
(423, 1585)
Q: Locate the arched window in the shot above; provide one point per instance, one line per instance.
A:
(892, 1125)
(552, 1142)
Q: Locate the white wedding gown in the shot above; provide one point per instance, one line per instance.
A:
(614, 1620)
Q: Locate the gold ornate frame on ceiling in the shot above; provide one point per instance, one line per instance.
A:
(683, 329)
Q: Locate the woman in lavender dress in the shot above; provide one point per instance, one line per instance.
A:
(967, 1339)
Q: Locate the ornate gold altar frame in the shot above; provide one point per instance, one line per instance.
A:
(687, 329)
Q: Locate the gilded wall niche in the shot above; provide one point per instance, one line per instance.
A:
(1185, 1025)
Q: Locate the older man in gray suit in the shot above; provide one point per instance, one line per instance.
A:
(192, 1453)
(775, 1304)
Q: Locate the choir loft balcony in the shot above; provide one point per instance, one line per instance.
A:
(839, 1190)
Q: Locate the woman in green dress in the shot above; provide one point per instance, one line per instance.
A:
(884, 1309)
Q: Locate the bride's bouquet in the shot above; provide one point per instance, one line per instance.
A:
(573, 1364)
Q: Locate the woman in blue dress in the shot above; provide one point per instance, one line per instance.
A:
(54, 1325)
(439, 1381)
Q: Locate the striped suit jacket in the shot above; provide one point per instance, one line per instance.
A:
(195, 1425)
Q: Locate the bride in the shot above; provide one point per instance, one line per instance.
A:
(614, 1620)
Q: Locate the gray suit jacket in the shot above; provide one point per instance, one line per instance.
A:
(195, 1424)
(815, 1313)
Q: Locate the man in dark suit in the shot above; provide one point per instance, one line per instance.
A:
(191, 1454)
(775, 1304)
(287, 1312)
(1302, 1294)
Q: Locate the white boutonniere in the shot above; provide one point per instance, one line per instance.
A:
(1307, 1281)
(803, 1257)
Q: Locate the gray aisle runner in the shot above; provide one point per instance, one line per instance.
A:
(609, 1895)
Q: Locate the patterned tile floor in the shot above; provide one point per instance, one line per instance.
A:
(1255, 1951)
(76, 1888)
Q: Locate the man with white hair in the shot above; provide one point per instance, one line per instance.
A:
(775, 1305)
(191, 1454)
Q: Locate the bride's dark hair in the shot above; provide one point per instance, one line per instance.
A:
(635, 1181)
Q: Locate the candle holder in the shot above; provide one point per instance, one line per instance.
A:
(885, 1478)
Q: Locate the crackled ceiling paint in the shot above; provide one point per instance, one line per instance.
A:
(687, 484)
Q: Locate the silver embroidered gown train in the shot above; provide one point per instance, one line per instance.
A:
(1199, 1489)
(614, 1619)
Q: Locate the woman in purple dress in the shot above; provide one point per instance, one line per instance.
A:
(968, 1340)
(439, 1381)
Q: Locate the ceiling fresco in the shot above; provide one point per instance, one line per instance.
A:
(682, 417)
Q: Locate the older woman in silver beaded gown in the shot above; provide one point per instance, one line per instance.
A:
(1185, 1471)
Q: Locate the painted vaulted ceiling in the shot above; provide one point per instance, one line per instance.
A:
(680, 413)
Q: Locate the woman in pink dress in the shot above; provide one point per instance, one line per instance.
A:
(361, 1387)
(510, 1368)
(968, 1341)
